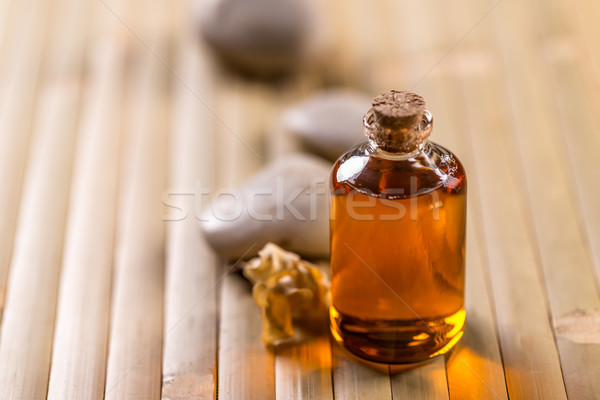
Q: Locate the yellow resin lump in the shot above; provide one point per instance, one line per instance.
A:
(285, 288)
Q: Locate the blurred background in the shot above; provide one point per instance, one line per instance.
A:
(108, 107)
(257, 58)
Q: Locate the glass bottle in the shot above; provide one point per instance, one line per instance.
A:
(398, 215)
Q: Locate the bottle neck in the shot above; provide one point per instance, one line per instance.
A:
(403, 142)
(422, 147)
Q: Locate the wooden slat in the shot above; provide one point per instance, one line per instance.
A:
(4, 12)
(576, 83)
(246, 367)
(25, 348)
(530, 357)
(81, 336)
(474, 366)
(427, 381)
(135, 347)
(303, 371)
(190, 353)
(587, 24)
(356, 380)
(19, 72)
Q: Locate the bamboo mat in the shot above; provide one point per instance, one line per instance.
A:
(109, 108)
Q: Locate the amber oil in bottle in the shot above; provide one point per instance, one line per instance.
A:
(398, 214)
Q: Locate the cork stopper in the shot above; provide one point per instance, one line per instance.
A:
(396, 121)
(398, 109)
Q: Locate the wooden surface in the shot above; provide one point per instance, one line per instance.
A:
(109, 108)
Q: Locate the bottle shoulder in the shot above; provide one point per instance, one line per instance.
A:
(367, 170)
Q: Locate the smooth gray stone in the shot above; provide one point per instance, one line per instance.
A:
(286, 203)
(260, 37)
(329, 122)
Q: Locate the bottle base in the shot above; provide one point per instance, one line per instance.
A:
(397, 341)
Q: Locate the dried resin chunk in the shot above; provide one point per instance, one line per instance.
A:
(286, 288)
